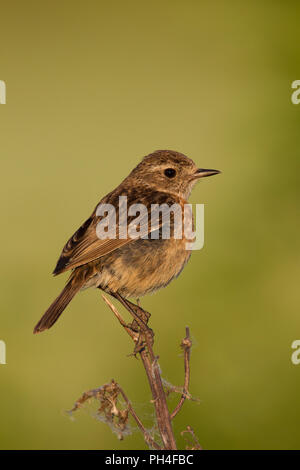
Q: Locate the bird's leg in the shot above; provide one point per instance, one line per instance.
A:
(140, 321)
(136, 312)
(143, 314)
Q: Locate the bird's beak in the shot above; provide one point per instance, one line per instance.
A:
(202, 172)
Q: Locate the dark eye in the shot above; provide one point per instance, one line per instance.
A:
(170, 172)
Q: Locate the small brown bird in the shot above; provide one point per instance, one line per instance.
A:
(130, 267)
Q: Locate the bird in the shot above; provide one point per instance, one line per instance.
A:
(130, 267)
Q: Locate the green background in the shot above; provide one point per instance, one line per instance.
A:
(91, 88)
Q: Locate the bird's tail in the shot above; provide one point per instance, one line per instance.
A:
(58, 306)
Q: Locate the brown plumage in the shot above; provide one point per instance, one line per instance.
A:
(129, 267)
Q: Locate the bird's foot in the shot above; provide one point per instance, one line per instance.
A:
(139, 311)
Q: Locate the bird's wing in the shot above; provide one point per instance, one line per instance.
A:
(85, 245)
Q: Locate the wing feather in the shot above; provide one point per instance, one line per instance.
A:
(85, 245)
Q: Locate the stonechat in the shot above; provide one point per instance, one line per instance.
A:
(130, 266)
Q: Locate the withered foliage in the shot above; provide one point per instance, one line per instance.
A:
(111, 410)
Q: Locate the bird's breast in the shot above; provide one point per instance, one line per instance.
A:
(143, 266)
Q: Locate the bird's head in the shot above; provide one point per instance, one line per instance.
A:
(170, 171)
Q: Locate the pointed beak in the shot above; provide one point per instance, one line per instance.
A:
(202, 172)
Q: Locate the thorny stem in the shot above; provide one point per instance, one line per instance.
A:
(153, 374)
(107, 395)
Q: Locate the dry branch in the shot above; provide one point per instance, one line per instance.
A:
(108, 394)
(152, 370)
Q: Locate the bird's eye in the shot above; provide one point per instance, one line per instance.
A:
(170, 172)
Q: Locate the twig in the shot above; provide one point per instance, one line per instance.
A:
(194, 444)
(115, 413)
(147, 436)
(186, 345)
(153, 374)
(131, 333)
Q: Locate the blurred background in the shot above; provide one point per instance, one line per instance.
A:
(92, 87)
